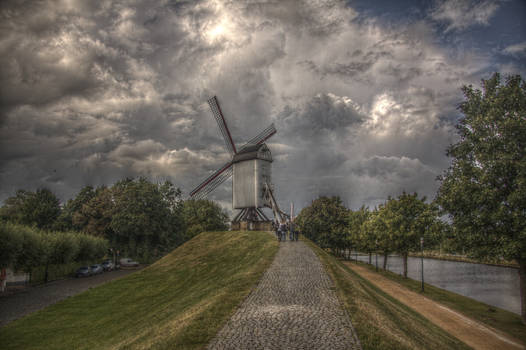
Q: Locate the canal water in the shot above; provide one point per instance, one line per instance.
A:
(494, 285)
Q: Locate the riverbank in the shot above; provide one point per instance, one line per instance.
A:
(451, 257)
(504, 321)
(463, 258)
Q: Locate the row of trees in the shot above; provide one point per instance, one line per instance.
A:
(25, 248)
(140, 218)
(482, 194)
(395, 226)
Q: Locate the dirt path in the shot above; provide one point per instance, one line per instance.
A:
(471, 332)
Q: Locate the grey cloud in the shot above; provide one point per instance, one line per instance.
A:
(90, 95)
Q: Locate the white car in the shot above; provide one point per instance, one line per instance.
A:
(127, 262)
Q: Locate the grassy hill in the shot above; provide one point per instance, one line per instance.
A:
(178, 302)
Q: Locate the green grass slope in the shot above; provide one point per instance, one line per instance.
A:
(180, 302)
(500, 319)
(380, 321)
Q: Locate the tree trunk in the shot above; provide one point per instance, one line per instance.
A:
(385, 260)
(522, 283)
(370, 258)
(404, 256)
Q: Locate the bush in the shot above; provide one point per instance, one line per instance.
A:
(26, 248)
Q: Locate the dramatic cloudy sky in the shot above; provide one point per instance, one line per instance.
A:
(364, 94)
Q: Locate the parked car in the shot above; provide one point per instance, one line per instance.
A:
(96, 269)
(127, 262)
(83, 271)
(107, 265)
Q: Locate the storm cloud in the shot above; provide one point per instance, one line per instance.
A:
(93, 92)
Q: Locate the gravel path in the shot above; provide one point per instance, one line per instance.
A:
(31, 299)
(293, 307)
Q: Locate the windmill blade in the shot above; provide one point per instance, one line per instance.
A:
(218, 115)
(212, 181)
(214, 184)
(262, 136)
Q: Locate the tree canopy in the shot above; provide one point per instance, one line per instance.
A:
(484, 189)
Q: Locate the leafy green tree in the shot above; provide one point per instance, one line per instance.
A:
(73, 207)
(324, 222)
(146, 216)
(366, 234)
(31, 253)
(203, 215)
(40, 208)
(94, 216)
(10, 245)
(355, 238)
(408, 218)
(484, 189)
(13, 208)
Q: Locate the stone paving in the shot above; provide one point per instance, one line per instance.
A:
(293, 307)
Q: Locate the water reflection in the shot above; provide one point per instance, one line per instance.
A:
(493, 285)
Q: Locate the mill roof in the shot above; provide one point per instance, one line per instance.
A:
(259, 151)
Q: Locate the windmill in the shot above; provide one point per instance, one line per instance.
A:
(250, 168)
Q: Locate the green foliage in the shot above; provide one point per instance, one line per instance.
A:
(203, 215)
(25, 248)
(40, 208)
(73, 207)
(408, 218)
(356, 236)
(94, 215)
(324, 222)
(11, 244)
(484, 190)
(139, 218)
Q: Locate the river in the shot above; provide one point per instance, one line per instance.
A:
(494, 285)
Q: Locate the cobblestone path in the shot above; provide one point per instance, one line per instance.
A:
(293, 307)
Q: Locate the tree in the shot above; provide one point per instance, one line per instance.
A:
(484, 189)
(355, 238)
(408, 219)
(40, 208)
(73, 207)
(366, 234)
(324, 222)
(146, 216)
(377, 224)
(203, 215)
(94, 216)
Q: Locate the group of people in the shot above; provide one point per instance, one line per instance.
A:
(284, 227)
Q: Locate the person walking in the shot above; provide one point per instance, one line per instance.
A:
(283, 231)
(275, 226)
(293, 231)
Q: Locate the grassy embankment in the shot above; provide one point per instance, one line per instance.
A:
(180, 302)
(380, 321)
(500, 319)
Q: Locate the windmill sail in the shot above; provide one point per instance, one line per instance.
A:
(218, 115)
(262, 136)
(212, 182)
